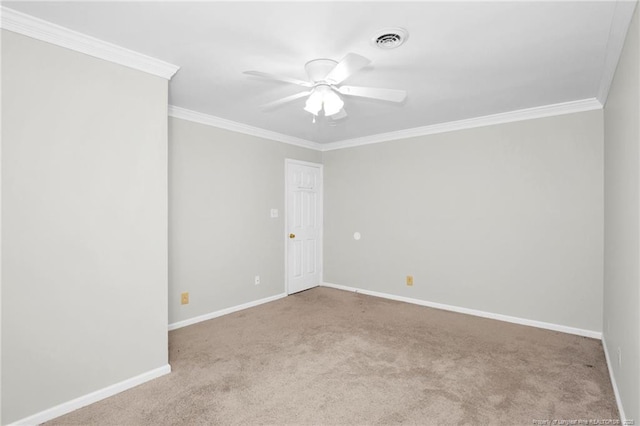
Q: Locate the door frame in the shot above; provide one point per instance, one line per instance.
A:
(319, 206)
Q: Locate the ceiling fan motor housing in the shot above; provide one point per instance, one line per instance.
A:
(318, 69)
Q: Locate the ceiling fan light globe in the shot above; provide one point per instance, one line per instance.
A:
(323, 98)
(332, 104)
(314, 103)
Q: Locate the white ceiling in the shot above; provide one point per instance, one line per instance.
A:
(462, 59)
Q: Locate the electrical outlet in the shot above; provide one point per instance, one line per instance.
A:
(619, 357)
(256, 280)
(409, 280)
(184, 298)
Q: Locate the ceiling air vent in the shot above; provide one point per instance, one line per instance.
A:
(390, 38)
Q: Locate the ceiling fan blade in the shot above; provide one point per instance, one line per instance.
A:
(279, 78)
(391, 95)
(351, 64)
(279, 102)
(340, 115)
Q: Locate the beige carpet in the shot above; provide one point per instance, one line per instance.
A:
(326, 356)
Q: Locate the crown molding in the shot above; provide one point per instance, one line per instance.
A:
(210, 120)
(21, 23)
(487, 120)
(622, 15)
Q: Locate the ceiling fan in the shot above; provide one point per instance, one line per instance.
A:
(325, 76)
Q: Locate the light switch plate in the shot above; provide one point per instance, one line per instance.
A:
(274, 212)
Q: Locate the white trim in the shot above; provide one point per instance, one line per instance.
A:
(225, 311)
(623, 418)
(303, 163)
(39, 29)
(90, 398)
(0, 236)
(452, 126)
(620, 21)
(483, 314)
(222, 123)
(471, 123)
(319, 207)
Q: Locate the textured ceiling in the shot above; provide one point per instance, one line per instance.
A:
(462, 59)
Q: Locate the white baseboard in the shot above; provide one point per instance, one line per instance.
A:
(623, 418)
(500, 317)
(225, 311)
(92, 397)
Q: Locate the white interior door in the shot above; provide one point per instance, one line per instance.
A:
(303, 225)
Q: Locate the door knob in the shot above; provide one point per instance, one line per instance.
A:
(292, 235)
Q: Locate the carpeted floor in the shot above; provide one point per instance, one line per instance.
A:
(326, 356)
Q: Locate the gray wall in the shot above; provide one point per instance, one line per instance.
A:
(505, 219)
(222, 185)
(1, 33)
(84, 221)
(622, 223)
